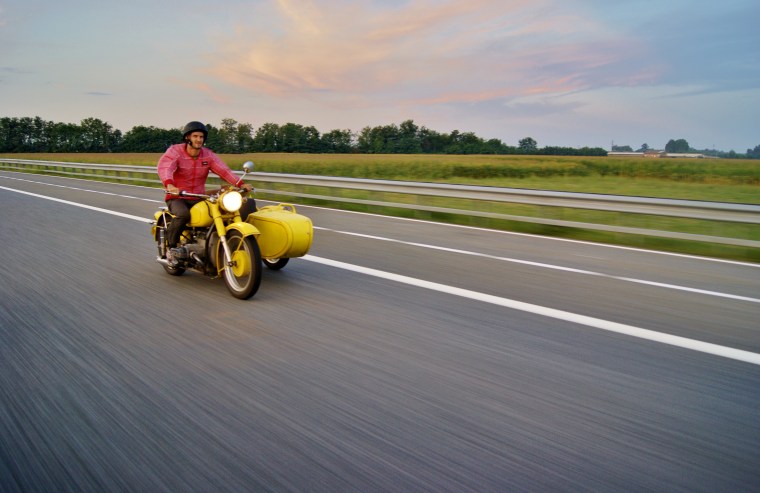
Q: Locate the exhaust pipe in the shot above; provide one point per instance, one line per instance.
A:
(193, 255)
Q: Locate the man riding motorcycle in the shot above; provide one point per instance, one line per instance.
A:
(185, 167)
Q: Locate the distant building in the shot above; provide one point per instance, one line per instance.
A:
(658, 154)
(619, 153)
(684, 154)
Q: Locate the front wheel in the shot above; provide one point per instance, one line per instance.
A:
(275, 263)
(243, 274)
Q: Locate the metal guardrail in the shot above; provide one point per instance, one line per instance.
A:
(713, 211)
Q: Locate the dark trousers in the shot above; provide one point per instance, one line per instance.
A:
(181, 210)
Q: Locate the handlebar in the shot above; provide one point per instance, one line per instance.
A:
(247, 167)
(183, 193)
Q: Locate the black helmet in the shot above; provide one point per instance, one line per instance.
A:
(195, 127)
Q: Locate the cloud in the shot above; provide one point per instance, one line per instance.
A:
(10, 72)
(202, 87)
(718, 53)
(426, 52)
(98, 93)
(14, 70)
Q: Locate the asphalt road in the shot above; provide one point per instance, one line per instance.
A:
(399, 356)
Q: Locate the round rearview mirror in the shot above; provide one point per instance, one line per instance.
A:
(248, 166)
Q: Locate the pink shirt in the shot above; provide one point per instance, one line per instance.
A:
(176, 167)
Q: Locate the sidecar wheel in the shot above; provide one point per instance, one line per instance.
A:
(244, 276)
(275, 263)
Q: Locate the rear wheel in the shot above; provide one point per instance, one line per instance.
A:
(174, 271)
(275, 263)
(243, 276)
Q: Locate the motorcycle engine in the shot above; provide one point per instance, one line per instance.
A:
(197, 248)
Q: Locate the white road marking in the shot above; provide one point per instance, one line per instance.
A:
(682, 342)
(547, 266)
(83, 206)
(84, 189)
(549, 238)
(630, 330)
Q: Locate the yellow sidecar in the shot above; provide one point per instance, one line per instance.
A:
(283, 232)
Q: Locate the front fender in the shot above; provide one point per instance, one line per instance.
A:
(245, 229)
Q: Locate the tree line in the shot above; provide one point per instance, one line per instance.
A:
(30, 135)
(681, 146)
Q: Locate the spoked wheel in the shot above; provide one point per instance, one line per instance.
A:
(243, 277)
(275, 263)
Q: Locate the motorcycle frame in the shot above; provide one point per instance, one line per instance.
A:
(218, 225)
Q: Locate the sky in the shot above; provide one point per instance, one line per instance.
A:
(568, 73)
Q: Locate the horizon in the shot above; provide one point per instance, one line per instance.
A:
(568, 74)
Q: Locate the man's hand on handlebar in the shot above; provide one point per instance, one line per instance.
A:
(172, 190)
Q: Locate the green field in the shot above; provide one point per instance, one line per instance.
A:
(717, 180)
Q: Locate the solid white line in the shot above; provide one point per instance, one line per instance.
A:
(85, 189)
(83, 206)
(546, 238)
(682, 342)
(547, 266)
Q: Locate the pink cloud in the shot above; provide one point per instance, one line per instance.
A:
(201, 87)
(426, 51)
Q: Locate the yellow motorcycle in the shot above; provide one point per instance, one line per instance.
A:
(219, 242)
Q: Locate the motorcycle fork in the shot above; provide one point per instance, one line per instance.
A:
(227, 253)
(221, 230)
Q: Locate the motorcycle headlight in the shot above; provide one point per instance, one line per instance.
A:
(232, 201)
